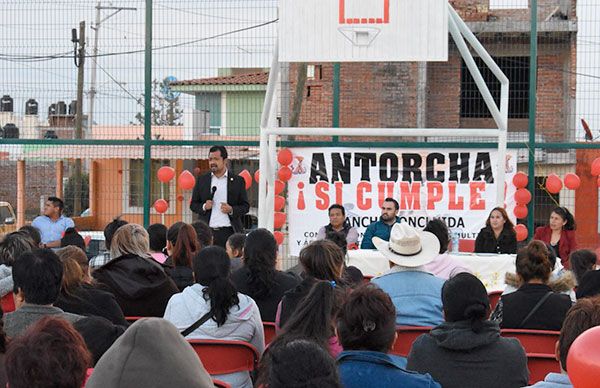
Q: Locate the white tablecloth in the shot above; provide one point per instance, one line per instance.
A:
(489, 268)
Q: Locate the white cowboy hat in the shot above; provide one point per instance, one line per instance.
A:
(408, 247)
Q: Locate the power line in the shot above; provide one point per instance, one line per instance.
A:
(21, 58)
(118, 83)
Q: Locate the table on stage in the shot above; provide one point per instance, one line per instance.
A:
(489, 268)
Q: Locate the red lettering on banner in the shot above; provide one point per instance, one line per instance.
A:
(339, 187)
(385, 190)
(361, 202)
(410, 196)
(454, 202)
(321, 191)
(477, 203)
(435, 192)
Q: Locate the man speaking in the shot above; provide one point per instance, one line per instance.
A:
(220, 198)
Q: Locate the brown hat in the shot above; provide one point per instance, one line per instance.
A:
(151, 354)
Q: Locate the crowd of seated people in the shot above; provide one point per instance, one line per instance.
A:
(332, 330)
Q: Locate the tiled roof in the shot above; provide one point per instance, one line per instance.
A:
(238, 79)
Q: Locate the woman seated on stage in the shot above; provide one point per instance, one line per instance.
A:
(338, 224)
(498, 235)
(560, 234)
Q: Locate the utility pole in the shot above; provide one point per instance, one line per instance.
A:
(80, 55)
(96, 28)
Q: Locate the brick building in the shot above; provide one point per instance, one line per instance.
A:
(443, 94)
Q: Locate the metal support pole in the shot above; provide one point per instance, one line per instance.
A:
(147, 112)
(532, 113)
(77, 179)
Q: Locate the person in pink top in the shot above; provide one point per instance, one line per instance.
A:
(444, 266)
(315, 317)
(158, 242)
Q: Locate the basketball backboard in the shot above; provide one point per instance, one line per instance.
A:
(363, 30)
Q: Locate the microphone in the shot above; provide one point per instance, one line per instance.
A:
(212, 192)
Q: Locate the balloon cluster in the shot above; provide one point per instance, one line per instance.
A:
(165, 174)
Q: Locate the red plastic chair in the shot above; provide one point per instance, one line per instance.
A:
(269, 328)
(220, 384)
(367, 279)
(466, 246)
(534, 341)
(540, 365)
(223, 357)
(494, 298)
(406, 337)
(8, 303)
(133, 319)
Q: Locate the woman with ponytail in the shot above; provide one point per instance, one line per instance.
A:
(182, 245)
(228, 314)
(535, 305)
(467, 349)
(258, 278)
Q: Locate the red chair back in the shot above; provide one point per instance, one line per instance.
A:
(220, 384)
(223, 357)
(540, 365)
(270, 334)
(406, 337)
(466, 246)
(494, 298)
(133, 319)
(367, 279)
(534, 341)
(8, 303)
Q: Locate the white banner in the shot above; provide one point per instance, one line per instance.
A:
(458, 185)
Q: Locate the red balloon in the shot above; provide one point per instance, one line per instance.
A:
(247, 178)
(596, 167)
(553, 184)
(279, 203)
(165, 174)
(521, 231)
(285, 173)
(257, 176)
(279, 220)
(584, 359)
(161, 206)
(186, 180)
(278, 237)
(520, 180)
(285, 157)
(572, 181)
(522, 196)
(521, 211)
(279, 186)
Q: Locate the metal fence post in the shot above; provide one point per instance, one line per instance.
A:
(147, 112)
(532, 113)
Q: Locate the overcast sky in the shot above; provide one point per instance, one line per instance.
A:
(40, 28)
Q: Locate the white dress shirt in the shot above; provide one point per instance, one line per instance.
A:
(218, 219)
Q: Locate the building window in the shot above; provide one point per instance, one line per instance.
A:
(133, 173)
(516, 69)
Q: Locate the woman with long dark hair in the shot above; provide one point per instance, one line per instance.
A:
(258, 278)
(228, 314)
(498, 235)
(559, 233)
(182, 245)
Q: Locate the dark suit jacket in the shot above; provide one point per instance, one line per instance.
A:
(236, 197)
(566, 244)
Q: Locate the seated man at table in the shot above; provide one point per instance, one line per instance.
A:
(382, 228)
(416, 293)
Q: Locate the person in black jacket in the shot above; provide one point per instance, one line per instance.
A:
(219, 198)
(182, 245)
(138, 282)
(82, 298)
(534, 305)
(258, 278)
(498, 235)
(467, 349)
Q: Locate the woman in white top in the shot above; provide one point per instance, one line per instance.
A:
(234, 316)
(338, 224)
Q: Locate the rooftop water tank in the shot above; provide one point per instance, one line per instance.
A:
(6, 103)
(31, 107)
